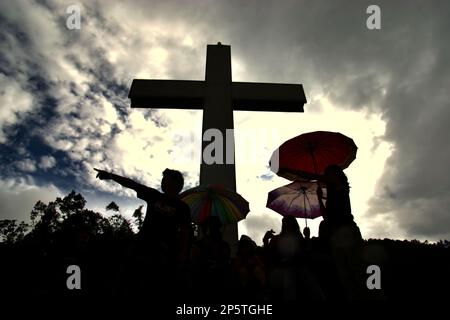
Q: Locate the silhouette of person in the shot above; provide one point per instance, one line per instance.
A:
(287, 245)
(337, 213)
(307, 233)
(249, 271)
(342, 234)
(338, 209)
(289, 278)
(166, 230)
(307, 243)
(211, 261)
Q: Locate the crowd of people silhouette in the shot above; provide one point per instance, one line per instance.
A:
(178, 262)
(165, 254)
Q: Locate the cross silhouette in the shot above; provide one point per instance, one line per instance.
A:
(218, 96)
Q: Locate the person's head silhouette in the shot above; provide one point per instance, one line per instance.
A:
(172, 182)
(211, 226)
(289, 225)
(306, 232)
(246, 246)
(335, 177)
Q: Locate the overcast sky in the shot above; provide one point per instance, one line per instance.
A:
(64, 106)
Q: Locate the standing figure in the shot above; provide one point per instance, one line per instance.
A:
(341, 232)
(164, 239)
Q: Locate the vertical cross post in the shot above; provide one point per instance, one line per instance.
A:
(218, 114)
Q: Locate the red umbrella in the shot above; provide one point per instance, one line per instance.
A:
(307, 155)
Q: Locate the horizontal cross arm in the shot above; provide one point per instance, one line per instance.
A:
(249, 96)
(167, 94)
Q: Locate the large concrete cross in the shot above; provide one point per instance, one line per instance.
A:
(218, 96)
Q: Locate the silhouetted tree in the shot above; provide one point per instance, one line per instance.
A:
(48, 219)
(67, 219)
(120, 226)
(112, 206)
(138, 216)
(11, 232)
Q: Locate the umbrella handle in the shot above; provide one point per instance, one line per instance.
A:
(304, 207)
(311, 151)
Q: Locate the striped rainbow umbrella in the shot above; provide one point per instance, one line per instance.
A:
(215, 200)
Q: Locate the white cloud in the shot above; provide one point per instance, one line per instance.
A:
(88, 137)
(14, 102)
(18, 197)
(47, 162)
(27, 165)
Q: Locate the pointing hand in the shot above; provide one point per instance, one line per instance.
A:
(102, 174)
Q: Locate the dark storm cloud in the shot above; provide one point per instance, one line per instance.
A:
(401, 72)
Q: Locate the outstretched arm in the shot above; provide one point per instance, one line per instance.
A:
(267, 237)
(125, 182)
